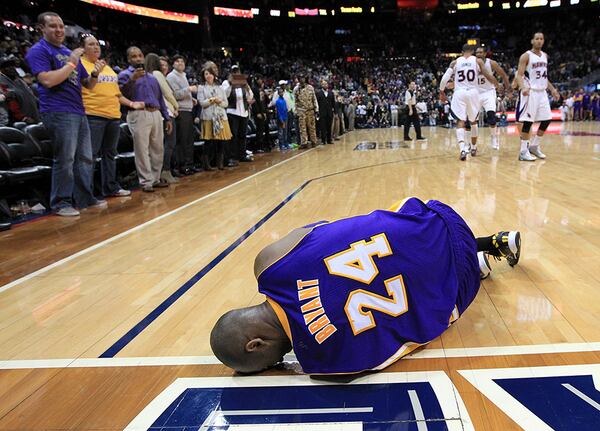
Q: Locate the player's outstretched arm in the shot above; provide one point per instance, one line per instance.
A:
(273, 252)
(500, 71)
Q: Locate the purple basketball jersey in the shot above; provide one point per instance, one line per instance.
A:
(359, 293)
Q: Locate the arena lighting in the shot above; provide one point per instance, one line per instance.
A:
(535, 3)
(554, 3)
(291, 14)
(275, 12)
(323, 12)
(372, 9)
(574, 1)
(505, 5)
(417, 4)
(236, 13)
(306, 12)
(473, 42)
(255, 11)
(144, 11)
(463, 6)
(351, 9)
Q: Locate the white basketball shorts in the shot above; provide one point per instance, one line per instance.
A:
(488, 100)
(533, 107)
(465, 104)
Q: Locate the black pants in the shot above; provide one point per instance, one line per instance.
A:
(325, 122)
(185, 139)
(239, 127)
(416, 122)
(170, 145)
(261, 126)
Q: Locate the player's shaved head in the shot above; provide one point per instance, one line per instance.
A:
(468, 48)
(249, 339)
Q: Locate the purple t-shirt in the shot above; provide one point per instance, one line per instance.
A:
(66, 96)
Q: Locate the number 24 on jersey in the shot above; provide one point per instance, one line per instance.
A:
(357, 263)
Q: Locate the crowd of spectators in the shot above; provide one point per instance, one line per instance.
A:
(172, 96)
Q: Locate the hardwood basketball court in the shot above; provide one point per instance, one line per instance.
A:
(121, 304)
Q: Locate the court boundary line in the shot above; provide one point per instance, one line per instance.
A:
(467, 352)
(136, 228)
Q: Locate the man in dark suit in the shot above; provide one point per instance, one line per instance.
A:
(326, 104)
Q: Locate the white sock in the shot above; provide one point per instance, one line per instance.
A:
(524, 145)
(536, 141)
(494, 136)
(460, 136)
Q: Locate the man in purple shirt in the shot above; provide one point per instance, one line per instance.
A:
(146, 124)
(60, 75)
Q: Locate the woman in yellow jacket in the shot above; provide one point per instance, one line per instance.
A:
(103, 110)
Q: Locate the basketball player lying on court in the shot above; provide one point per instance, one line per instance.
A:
(359, 293)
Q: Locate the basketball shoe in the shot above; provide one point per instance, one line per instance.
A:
(508, 245)
(535, 150)
(526, 156)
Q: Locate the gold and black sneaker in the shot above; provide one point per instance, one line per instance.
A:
(508, 245)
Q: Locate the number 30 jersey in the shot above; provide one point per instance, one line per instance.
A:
(466, 71)
(359, 293)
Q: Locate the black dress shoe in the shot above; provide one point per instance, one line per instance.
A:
(187, 172)
(197, 169)
(4, 226)
(177, 174)
(231, 163)
(246, 159)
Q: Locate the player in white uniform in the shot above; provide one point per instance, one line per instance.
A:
(533, 104)
(487, 92)
(465, 101)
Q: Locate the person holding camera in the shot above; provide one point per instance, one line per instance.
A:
(239, 98)
(146, 124)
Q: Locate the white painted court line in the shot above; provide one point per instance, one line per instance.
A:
(139, 227)
(583, 396)
(212, 360)
(418, 409)
(296, 411)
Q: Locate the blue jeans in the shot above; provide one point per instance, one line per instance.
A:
(105, 138)
(73, 165)
(282, 136)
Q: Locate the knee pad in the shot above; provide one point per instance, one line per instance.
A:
(491, 118)
(526, 126)
(474, 130)
(544, 125)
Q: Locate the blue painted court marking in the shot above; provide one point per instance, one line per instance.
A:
(137, 329)
(414, 401)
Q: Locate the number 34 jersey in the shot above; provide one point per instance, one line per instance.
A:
(359, 293)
